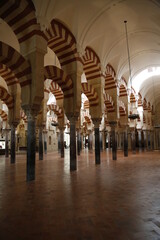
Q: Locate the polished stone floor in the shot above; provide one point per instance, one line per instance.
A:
(116, 200)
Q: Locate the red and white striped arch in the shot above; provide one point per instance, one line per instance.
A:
(56, 90)
(91, 64)
(58, 76)
(122, 109)
(8, 75)
(145, 107)
(86, 104)
(6, 97)
(62, 42)
(56, 109)
(16, 63)
(21, 17)
(109, 103)
(123, 88)
(110, 79)
(3, 115)
(140, 100)
(91, 94)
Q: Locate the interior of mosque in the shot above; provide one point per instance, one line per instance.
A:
(65, 76)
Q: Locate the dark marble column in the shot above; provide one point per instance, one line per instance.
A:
(31, 147)
(97, 146)
(139, 140)
(73, 160)
(45, 141)
(6, 143)
(126, 143)
(13, 144)
(96, 122)
(40, 144)
(114, 140)
(62, 142)
(78, 142)
(142, 140)
(101, 141)
(133, 142)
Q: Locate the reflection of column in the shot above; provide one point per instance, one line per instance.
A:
(40, 144)
(6, 143)
(126, 142)
(114, 142)
(62, 142)
(13, 142)
(31, 147)
(96, 122)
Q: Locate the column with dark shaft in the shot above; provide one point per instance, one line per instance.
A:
(78, 142)
(114, 140)
(13, 143)
(40, 144)
(97, 140)
(45, 141)
(62, 142)
(73, 158)
(139, 139)
(142, 140)
(31, 147)
(6, 143)
(133, 142)
(126, 142)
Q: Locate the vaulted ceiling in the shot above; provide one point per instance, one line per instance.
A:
(100, 25)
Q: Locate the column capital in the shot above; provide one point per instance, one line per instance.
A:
(113, 124)
(31, 114)
(73, 117)
(96, 122)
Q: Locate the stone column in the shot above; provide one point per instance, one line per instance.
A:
(31, 146)
(114, 140)
(45, 141)
(104, 140)
(139, 139)
(126, 142)
(78, 142)
(6, 143)
(40, 144)
(13, 143)
(101, 141)
(142, 140)
(73, 157)
(62, 142)
(97, 140)
(133, 142)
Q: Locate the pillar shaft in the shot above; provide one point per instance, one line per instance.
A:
(31, 149)
(62, 142)
(73, 160)
(126, 143)
(114, 144)
(6, 144)
(133, 142)
(78, 142)
(40, 144)
(45, 142)
(13, 140)
(97, 146)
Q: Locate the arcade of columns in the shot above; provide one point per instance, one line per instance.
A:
(26, 84)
